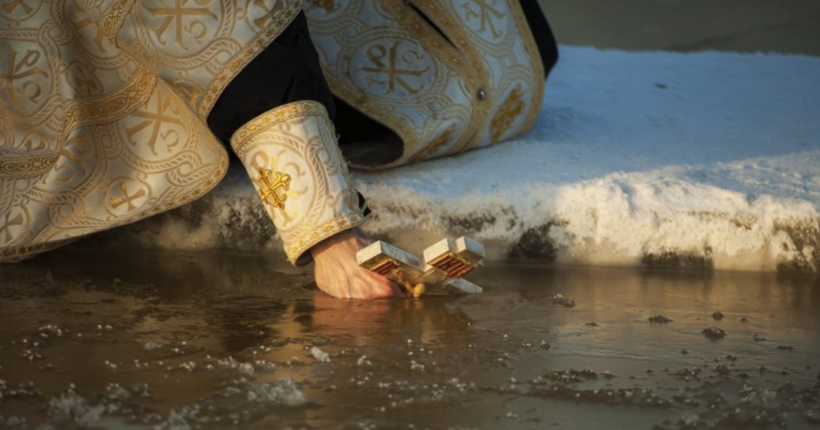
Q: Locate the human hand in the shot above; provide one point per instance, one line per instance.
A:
(338, 273)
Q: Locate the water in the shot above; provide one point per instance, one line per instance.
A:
(237, 340)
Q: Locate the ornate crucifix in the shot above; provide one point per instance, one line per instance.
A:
(444, 265)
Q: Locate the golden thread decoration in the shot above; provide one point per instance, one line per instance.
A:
(273, 187)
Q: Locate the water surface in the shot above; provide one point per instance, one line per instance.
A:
(225, 340)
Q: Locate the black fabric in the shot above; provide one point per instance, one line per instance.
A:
(288, 70)
(542, 33)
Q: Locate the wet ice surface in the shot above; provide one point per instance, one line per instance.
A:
(230, 340)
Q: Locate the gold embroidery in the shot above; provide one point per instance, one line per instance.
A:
(327, 5)
(487, 49)
(21, 68)
(485, 14)
(280, 19)
(506, 115)
(273, 189)
(126, 198)
(113, 18)
(297, 141)
(113, 105)
(442, 140)
(25, 166)
(175, 14)
(8, 223)
(386, 62)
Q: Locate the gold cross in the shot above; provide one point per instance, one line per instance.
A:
(262, 21)
(391, 68)
(158, 117)
(9, 223)
(272, 188)
(17, 70)
(175, 15)
(127, 199)
(486, 12)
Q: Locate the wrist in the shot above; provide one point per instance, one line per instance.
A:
(330, 242)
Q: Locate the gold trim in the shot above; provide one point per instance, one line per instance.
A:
(242, 58)
(273, 117)
(537, 64)
(475, 72)
(114, 105)
(113, 18)
(26, 166)
(16, 254)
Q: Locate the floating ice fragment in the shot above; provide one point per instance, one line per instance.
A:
(281, 392)
(246, 369)
(689, 421)
(264, 366)
(558, 299)
(320, 355)
(714, 333)
(660, 319)
(152, 346)
(71, 406)
(116, 392)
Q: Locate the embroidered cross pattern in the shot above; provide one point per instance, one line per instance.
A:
(157, 118)
(273, 187)
(8, 223)
(485, 14)
(175, 15)
(127, 199)
(395, 68)
(24, 68)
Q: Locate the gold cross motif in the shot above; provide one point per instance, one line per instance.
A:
(175, 14)
(485, 14)
(9, 223)
(24, 68)
(273, 187)
(269, 14)
(158, 117)
(388, 62)
(127, 199)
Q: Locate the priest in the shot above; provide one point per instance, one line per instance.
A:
(112, 111)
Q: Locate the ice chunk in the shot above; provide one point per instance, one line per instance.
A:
(282, 392)
(320, 355)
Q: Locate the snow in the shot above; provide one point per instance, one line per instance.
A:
(714, 156)
(709, 159)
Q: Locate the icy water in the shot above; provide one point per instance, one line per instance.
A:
(226, 340)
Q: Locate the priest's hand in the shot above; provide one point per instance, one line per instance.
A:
(338, 273)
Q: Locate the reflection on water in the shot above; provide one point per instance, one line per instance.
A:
(217, 340)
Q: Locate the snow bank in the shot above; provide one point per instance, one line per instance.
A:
(705, 159)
